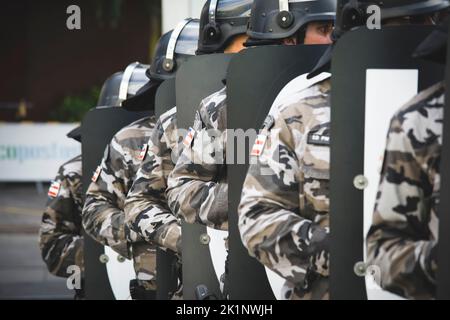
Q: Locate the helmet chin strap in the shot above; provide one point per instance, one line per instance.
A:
(123, 89)
(170, 52)
(284, 5)
(212, 11)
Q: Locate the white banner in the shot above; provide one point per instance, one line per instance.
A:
(35, 151)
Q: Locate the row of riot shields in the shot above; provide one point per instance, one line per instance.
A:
(373, 75)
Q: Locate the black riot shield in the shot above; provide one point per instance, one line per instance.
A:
(166, 262)
(443, 274)
(255, 78)
(197, 79)
(373, 76)
(165, 98)
(98, 127)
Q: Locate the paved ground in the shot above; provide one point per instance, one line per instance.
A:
(23, 275)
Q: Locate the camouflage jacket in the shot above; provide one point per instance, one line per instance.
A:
(146, 209)
(103, 215)
(284, 208)
(197, 187)
(61, 242)
(404, 234)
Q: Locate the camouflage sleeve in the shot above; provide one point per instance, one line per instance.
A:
(146, 209)
(399, 240)
(103, 219)
(197, 187)
(60, 237)
(270, 222)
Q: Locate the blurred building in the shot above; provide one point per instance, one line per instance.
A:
(42, 61)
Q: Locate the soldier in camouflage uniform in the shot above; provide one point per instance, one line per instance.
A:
(404, 234)
(284, 209)
(283, 213)
(403, 238)
(146, 209)
(198, 188)
(60, 238)
(103, 216)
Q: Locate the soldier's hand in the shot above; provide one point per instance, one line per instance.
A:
(318, 250)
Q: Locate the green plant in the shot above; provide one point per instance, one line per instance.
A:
(74, 107)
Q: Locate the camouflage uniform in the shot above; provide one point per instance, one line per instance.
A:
(284, 208)
(146, 209)
(404, 234)
(61, 242)
(197, 187)
(103, 216)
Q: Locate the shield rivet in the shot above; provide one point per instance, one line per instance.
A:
(360, 269)
(121, 258)
(204, 239)
(103, 258)
(360, 182)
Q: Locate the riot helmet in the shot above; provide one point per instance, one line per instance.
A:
(273, 20)
(173, 48)
(220, 22)
(109, 95)
(434, 47)
(353, 13)
(134, 78)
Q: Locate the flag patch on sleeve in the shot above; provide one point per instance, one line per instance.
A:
(189, 138)
(258, 147)
(97, 174)
(54, 189)
(143, 152)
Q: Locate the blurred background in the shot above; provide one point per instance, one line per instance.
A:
(50, 77)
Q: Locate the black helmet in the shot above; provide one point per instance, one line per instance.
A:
(434, 47)
(353, 13)
(123, 85)
(134, 78)
(280, 19)
(220, 22)
(109, 95)
(173, 48)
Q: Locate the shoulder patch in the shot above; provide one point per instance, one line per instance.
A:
(258, 147)
(53, 191)
(97, 174)
(143, 153)
(189, 138)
